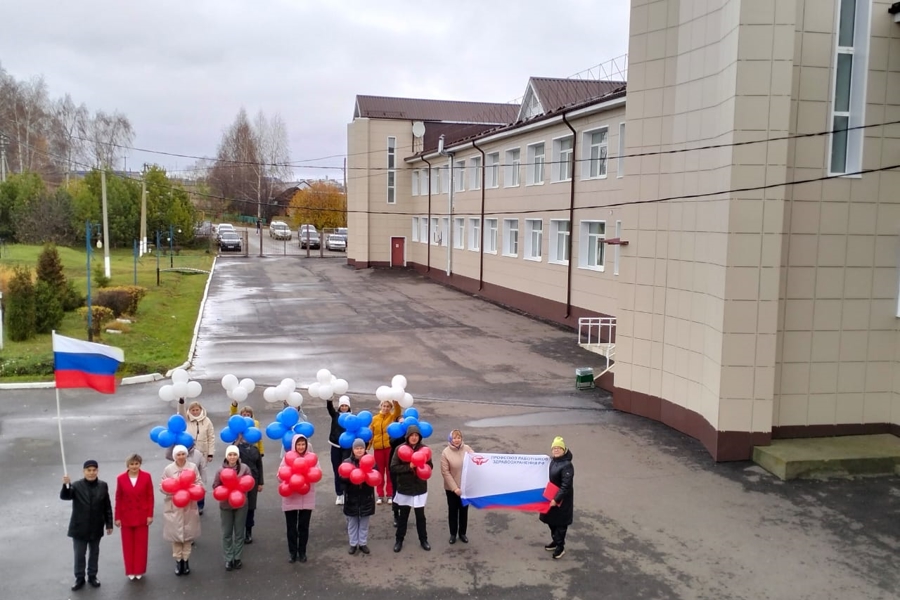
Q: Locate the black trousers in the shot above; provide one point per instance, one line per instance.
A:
(403, 520)
(559, 535)
(297, 522)
(250, 520)
(81, 548)
(457, 514)
(338, 455)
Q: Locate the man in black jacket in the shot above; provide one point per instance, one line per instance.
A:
(91, 511)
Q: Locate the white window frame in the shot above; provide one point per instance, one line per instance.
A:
(415, 184)
(474, 233)
(459, 176)
(536, 164)
(493, 171)
(617, 253)
(620, 160)
(445, 179)
(534, 239)
(490, 236)
(435, 180)
(595, 159)
(560, 155)
(415, 229)
(445, 230)
(435, 232)
(558, 238)
(475, 173)
(511, 167)
(423, 230)
(511, 238)
(459, 233)
(588, 240)
(391, 170)
(845, 148)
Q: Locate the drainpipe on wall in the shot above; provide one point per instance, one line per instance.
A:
(571, 219)
(449, 156)
(481, 229)
(428, 222)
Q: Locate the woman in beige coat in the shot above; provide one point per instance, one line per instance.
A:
(451, 469)
(181, 526)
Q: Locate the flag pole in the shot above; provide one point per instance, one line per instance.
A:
(62, 448)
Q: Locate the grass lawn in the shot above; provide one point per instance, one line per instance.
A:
(157, 340)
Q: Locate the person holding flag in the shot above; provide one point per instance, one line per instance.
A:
(91, 511)
(559, 517)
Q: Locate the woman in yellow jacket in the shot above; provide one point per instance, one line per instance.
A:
(247, 411)
(381, 443)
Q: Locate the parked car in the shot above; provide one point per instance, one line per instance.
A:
(229, 240)
(279, 231)
(223, 227)
(308, 236)
(336, 241)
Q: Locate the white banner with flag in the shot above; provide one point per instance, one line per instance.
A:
(507, 481)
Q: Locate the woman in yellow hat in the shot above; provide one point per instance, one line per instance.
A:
(559, 517)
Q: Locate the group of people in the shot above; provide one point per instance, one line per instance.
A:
(399, 485)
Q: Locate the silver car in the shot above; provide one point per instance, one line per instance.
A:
(336, 241)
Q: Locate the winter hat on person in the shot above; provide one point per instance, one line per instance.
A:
(358, 443)
(344, 401)
(450, 435)
(232, 450)
(90, 463)
(411, 430)
(558, 442)
(178, 448)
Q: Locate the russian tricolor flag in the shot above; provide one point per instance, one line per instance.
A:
(78, 364)
(506, 481)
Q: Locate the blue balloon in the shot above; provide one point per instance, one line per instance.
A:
(166, 438)
(289, 417)
(286, 440)
(411, 412)
(185, 439)
(275, 430)
(346, 440)
(365, 434)
(364, 418)
(177, 424)
(237, 424)
(228, 435)
(252, 435)
(251, 422)
(154, 433)
(342, 419)
(425, 429)
(305, 428)
(395, 430)
(410, 421)
(351, 423)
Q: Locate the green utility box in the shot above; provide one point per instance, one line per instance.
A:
(584, 378)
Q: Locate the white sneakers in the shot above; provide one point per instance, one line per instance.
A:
(379, 501)
(339, 500)
(390, 500)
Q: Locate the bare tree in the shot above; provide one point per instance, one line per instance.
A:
(107, 135)
(68, 131)
(23, 117)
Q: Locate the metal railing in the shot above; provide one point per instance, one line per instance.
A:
(598, 335)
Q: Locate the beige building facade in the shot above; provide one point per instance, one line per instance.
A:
(735, 213)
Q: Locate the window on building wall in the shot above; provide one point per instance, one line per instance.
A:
(559, 241)
(459, 176)
(474, 234)
(534, 238)
(459, 232)
(445, 179)
(435, 180)
(445, 230)
(620, 160)
(423, 230)
(475, 173)
(435, 232)
(535, 170)
(490, 236)
(849, 98)
(493, 170)
(596, 149)
(591, 249)
(510, 237)
(391, 173)
(562, 159)
(415, 229)
(415, 182)
(511, 175)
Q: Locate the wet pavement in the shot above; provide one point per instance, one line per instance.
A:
(655, 518)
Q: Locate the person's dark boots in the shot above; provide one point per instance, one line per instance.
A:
(95, 583)
(248, 537)
(463, 538)
(237, 563)
(425, 545)
(185, 567)
(179, 567)
(79, 583)
(398, 546)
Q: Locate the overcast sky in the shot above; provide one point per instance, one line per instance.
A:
(181, 69)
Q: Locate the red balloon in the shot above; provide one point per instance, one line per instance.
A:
(170, 485)
(418, 458)
(284, 489)
(304, 489)
(357, 476)
(284, 473)
(345, 469)
(427, 451)
(297, 482)
(197, 492)
(423, 472)
(236, 498)
(228, 477)
(221, 493)
(367, 462)
(181, 498)
(312, 459)
(405, 453)
(186, 478)
(314, 475)
(290, 457)
(373, 478)
(300, 466)
(247, 483)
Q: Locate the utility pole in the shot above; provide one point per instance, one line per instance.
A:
(106, 263)
(142, 235)
(3, 142)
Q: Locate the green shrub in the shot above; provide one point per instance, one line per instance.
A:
(100, 278)
(20, 313)
(72, 299)
(122, 300)
(50, 269)
(100, 316)
(48, 310)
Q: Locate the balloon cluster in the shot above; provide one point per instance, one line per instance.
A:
(327, 385)
(174, 433)
(238, 390)
(183, 488)
(418, 458)
(238, 425)
(233, 488)
(395, 392)
(410, 417)
(286, 391)
(181, 387)
(355, 426)
(298, 473)
(286, 425)
(364, 472)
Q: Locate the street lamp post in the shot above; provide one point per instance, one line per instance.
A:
(88, 238)
(157, 258)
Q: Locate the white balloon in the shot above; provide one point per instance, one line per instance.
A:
(166, 394)
(399, 381)
(180, 376)
(406, 401)
(323, 376)
(270, 394)
(194, 389)
(340, 386)
(229, 382)
(248, 384)
(295, 399)
(383, 393)
(397, 394)
(282, 392)
(313, 390)
(239, 394)
(288, 382)
(326, 391)
(180, 390)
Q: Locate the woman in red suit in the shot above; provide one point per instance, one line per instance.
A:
(133, 514)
